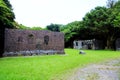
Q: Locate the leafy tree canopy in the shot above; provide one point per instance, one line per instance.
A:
(21, 26)
(100, 23)
(6, 14)
(53, 27)
(6, 21)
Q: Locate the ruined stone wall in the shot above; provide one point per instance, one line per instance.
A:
(89, 44)
(31, 41)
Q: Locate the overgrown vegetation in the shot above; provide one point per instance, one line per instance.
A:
(100, 23)
(6, 21)
(21, 26)
(50, 67)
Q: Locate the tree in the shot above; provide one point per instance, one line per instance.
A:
(7, 3)
(105, 24)
(111, 3)
(72, 32)
(96, 21)
(116, 14)
(101, 23)
(54, 27)
(114, 30)
(6, 21)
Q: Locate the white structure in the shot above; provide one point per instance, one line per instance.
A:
(84, 44)
(77, 44)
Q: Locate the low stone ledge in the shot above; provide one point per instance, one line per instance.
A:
(33, 52)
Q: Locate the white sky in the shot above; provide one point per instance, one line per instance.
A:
(44, 12)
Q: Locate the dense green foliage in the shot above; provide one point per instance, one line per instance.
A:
(6, 21)
(72, 31)
(54, 67)
(29, 28)
(53, 27)
(6, 14)
(100, 23)
(103, 22)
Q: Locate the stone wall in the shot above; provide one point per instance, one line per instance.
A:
(77, 44)
(88, 44)
(33, 42)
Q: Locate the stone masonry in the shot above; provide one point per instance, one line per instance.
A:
(31, 42)
(88, 44)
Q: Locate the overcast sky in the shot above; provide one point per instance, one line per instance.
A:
(44, 12)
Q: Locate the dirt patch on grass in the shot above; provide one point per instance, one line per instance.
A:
(109, 70)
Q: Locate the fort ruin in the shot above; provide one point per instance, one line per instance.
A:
(31, 42)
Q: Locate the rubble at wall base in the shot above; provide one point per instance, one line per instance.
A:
(33, 53)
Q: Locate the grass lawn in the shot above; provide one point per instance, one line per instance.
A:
(50, 67)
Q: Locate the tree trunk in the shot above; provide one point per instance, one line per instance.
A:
(2, 34)
(111, 43)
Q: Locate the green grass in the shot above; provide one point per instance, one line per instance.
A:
(50, 67)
